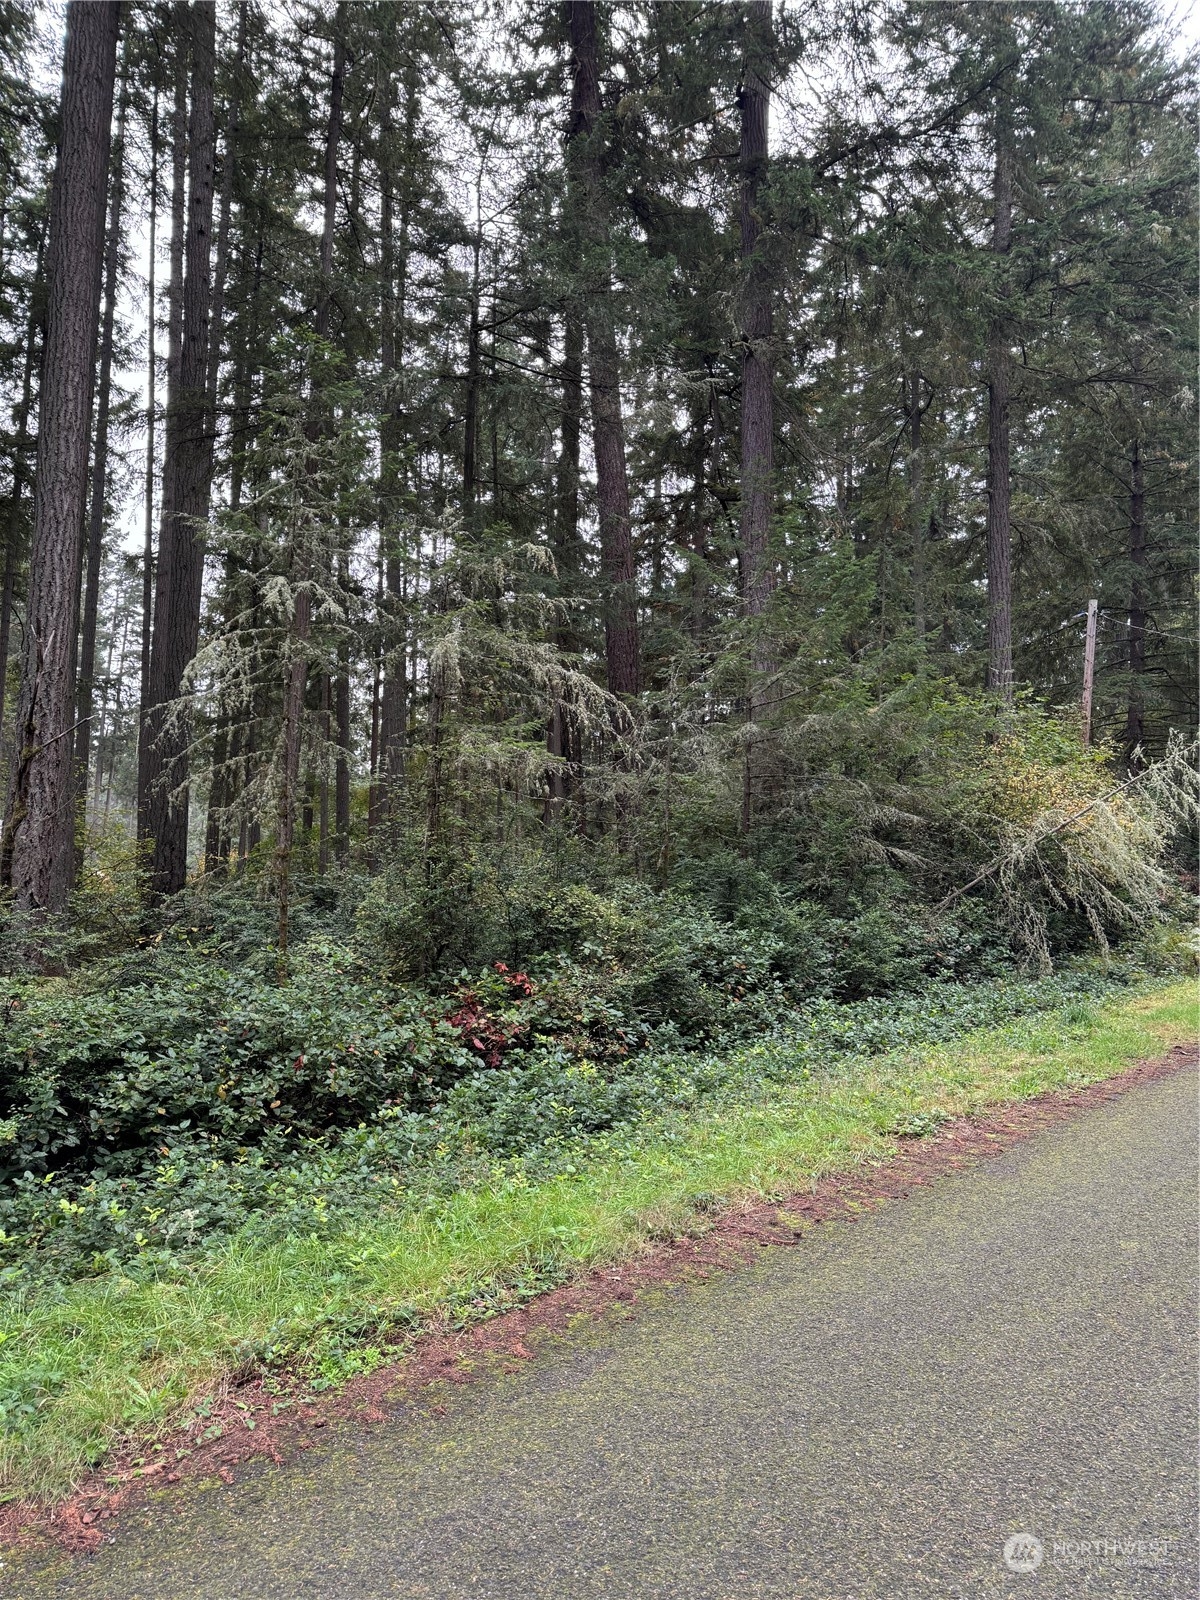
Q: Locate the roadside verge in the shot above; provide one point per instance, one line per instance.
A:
(443, 1293)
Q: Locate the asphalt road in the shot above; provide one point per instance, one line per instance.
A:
(870, 1416)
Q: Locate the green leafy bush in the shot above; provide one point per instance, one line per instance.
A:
(100, 1078)
(145, 1212)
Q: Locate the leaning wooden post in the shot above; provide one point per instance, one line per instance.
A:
(1089, 671)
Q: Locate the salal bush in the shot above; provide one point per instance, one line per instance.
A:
(102, 1078)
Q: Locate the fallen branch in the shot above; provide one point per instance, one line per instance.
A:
(994, 866)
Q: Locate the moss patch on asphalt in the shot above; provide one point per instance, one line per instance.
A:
(100, 1360)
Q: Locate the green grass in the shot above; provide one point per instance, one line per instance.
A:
(100, 1359)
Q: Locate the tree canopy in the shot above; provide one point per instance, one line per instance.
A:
(676, 441)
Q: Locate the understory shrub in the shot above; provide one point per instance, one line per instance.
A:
(144, 1209)
(99, 1075)
(510, 1001)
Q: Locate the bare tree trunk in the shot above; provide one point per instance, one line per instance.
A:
(228, 172)
(494, 418)
(333, 134)
(433, 815)
(187, 481)
(323, 813)
(341, 721)
(147, 757)
(117, 688)
(916, 505)
(293, 716)
(999, 530)
(1135, 720)
(758, 407)
(148, 530)
(306, 811)
(393, 702)
(37, 857)
(230, 771)
(471, 413)
(95, 541)
(341, 685)
(324, 311)
(375, 789)
(758, 401)
(295, 699)
(566, 534)
(6, 599)
(102, 718)
(222, 785)
(608, 429)
(570, 426)
(179, 136)
(13, 541)
(242, 378)
(216, 833)
(697, 534)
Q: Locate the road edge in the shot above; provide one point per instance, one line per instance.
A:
(258, 1419)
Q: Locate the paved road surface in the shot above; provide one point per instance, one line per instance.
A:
(867, 1417)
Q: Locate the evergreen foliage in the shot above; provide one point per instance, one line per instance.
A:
(616, 500)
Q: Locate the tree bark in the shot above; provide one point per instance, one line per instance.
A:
(228, 172)
(1135, 720)
(231, 746)
(916, 505)
(342, 731)
(758, 400)
(95, 541)
(570, 429)
(187, 481)
(222, 786)
(147, 758)
(7, 584)
(758, 410)
(393, 703)
(999, 368)
(341, 725)
(693, 532)
(179, 137)
(566, 536)
(102, 716)
(375, 788)
(12, 543)
(293, 714)
(37, 857)
(470, 466)
(148, 524)
(608, 428)
(341, 684)
(324, 316)
(323, 797)
(471, 410)
(333, 134)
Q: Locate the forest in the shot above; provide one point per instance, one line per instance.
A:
(549, 550)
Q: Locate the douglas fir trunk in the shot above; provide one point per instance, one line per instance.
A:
(38, 855)
(187, 477)
(608, 429)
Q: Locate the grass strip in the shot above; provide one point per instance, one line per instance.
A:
(107, 1357)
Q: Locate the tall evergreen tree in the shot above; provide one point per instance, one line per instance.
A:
(186, 493)
(586, 136)
(38, 852)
